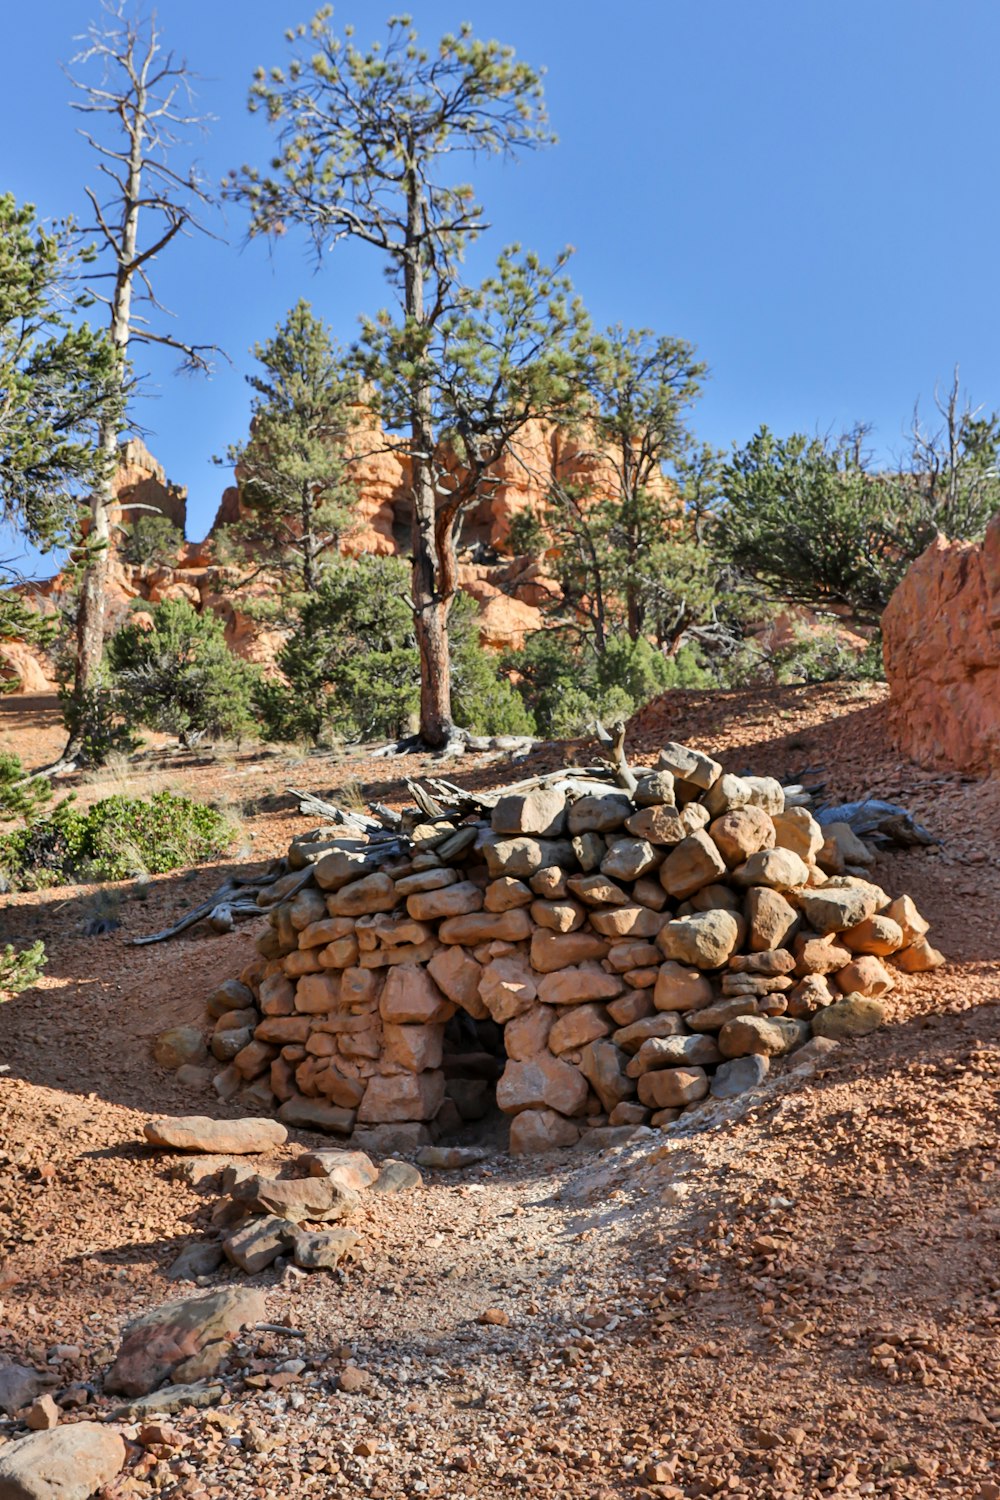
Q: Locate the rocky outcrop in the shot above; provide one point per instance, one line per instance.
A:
(941, 631)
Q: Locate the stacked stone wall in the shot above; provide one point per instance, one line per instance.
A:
(615, 957)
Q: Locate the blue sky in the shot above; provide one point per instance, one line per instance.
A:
(805, 189)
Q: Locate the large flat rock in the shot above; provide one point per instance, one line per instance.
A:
(69, 1463)
(176, 1340)
(200, 1133)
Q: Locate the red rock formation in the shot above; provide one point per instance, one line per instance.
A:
(941, 630)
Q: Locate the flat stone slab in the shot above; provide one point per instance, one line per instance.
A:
(225, 1137)
(174, 1336)
(172, 1398)
(69, 1463)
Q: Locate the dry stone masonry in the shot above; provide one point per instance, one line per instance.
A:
(605, 955)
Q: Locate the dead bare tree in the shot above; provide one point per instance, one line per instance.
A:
(139, 104)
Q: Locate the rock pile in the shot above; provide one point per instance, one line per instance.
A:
(617, 953)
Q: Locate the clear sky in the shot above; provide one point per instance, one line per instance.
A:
(805, 189)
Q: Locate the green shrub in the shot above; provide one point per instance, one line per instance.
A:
(150, 540)
(567, 685)
(179, 676)
(94, 718)
(119, 837)
(19, 968)
(20, 798)
(351, 666)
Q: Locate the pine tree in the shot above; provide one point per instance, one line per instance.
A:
(295, 490)
(366, 143)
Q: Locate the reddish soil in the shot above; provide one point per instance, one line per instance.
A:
(803, 1301)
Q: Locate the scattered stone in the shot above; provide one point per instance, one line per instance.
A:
(257, 1244)
(450, 1158)
(173, 1398)
(42, 1415)
(326, 1251)
(19, 1385)
(198, 1259)
(397, 1177)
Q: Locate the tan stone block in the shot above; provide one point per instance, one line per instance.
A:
(630, 859)
(425, 880)
(415, 1048)
(281, 1029)
(740, 833)
(309, 906)
(404, 1096)
(671, 1088)
(904, 912)
(716, 1015)
(663, 1023)
(410, 995)
(506, 893)
(879, 935)
(325, 930)
(541, 812)
(339, 868)
(865, 976)
(627, 921)
(366, 1044)
(359, 987)
(765, 1036)
(772, 920)
(578, 1025)
(342, 954)
(457, 974)
(573, 986)
(549, 883)
(632, 1006)
(406, 953)
(317, 994)
(302, 961)
(373, 893)
(918, 958)
(527, 1034)
(681, 988)
(641, 979)
(388, 931)
(508, 987)
(797, 829)
(536, 1131)
(693, 863)
(778, 869)
(255, 1059)
(657, 825)
(649, 892)
(544, 1082)
(818, 955)
(277, 995)
(558, 916)
(634, 955)
(486, 927)
(560, 950)
(597, 890)
(702, 941)
(334, 1084)
(452, 901)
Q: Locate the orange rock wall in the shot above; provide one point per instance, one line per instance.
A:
(941, 631)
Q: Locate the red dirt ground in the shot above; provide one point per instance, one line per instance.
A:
(801, 1302)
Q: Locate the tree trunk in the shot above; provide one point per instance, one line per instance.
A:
(92, 608)
(430, 615)
(430, 605)
(309, 548)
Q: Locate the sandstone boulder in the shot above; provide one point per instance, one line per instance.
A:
(536, 1131)
(541, 813)
(693, 863)
(69, 1463)
(856, 1016)
(168, 1340)
(703, 941)
(672, 1088)
(218, 1137)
